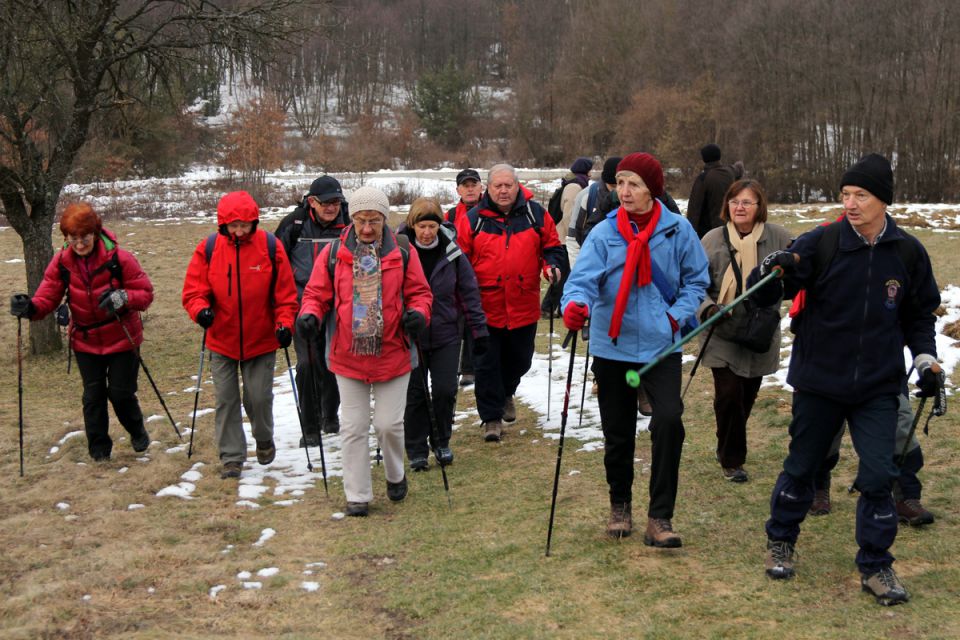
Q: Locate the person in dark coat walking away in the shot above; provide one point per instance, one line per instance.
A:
(456, 310)
(709, 191)
(510, 241)
(572, 184)
(106, 290)
(315, 223)
(847, 364)
(247, 301)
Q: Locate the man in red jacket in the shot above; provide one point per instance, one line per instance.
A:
(510, 240)
(247, 303)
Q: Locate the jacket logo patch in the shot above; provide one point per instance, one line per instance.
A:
(256, 267)
(891, 291)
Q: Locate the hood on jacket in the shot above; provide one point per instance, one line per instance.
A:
(237, 205)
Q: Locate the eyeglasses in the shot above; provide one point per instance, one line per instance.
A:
(744, 203)
(325, 203)
(369, 223)
(73, 241)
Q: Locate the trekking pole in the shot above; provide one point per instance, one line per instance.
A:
(563, 426)
(143, 364)
(696, 363)
(196, 396)
(550, 359)
(585, 334)
(20, 385)
(314, 376)
(938, 410)
(434, 427)
(296, 402)
(633, 376)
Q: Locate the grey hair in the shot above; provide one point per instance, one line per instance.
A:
(500, 168)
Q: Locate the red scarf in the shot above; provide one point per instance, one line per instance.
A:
(637, 267)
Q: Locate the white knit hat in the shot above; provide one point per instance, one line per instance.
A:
(368, 199)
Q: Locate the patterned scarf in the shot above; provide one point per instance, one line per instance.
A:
(637, 268)
(745, 252)
(367, 300)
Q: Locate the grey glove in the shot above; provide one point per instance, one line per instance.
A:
(113, 300)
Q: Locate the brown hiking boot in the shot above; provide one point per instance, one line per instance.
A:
(821, 503)
(620, 524)
(492, 431)
(266, 451)
(735, 474)
(231, 470)
(779, 562)
(913, 513)
(885, 586)
(509, 410)
(660, 533)
(643, 404)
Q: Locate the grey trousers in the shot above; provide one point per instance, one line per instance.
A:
(257, 374)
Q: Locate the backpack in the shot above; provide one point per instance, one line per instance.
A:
(403, 243)
(535, 224)
(580, 228)
(553, 207)
(271, 251)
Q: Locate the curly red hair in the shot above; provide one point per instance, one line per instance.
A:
(79, 219)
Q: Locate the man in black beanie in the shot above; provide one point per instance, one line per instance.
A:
(709, 190)
(319, 219)
(863, 305)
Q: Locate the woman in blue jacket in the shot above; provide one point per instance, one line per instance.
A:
(615, 284)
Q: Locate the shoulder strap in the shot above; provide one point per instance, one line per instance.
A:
(64, 278)
(209, 245)
(332, 258)
(826, 249)
(733, 259)
(403, 243)
(272, 252)
(909, 255)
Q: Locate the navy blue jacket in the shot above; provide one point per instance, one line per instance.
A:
(859, 314)
(313, 236)
(456, 297)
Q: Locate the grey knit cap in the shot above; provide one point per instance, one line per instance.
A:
(368, 199)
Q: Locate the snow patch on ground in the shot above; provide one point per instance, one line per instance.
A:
(309, 586)
(265, 535)
(216, 590)
(268, 572)
(186, 487)
(134, 507)
(63, 506)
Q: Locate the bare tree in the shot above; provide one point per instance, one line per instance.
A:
(62, 62)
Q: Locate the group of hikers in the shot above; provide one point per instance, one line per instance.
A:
(395, 319)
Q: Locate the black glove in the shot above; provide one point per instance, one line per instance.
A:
(783, 259)
(413, 322)
(112, 300)
(21, 306)
(930, 381)
(284, 337)
(307, 325)
(205, 318)
(481, 345)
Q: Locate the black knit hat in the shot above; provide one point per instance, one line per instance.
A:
(609, 173)
(326, 188)
(710, 152)
(873, 173)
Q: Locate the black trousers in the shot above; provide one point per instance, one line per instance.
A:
(733, 400)
(442, 367)
(498, 371)
(313, 375)
(111, 376)
(618, 416)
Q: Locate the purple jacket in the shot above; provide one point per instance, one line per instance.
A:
(456, 296)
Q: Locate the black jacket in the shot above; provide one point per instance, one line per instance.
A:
(706, 196)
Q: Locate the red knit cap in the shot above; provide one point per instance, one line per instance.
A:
(648, 168)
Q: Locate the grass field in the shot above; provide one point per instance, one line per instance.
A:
(96, 569)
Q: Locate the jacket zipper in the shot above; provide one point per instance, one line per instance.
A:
(229, 279)
(236, 243)
(866, 308)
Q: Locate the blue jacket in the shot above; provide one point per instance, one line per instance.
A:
(859, 314)
(645, 330)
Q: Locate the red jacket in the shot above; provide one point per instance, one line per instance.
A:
(236, 285)
(507, 253)
(402, 290)
(93, 330)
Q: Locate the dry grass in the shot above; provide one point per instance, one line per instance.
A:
(417, 569)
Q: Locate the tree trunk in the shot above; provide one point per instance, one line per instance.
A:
(37, 252)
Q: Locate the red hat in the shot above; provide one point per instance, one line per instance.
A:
(648, 168)
(237, 205)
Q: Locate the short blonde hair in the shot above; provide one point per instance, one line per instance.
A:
(424, 209)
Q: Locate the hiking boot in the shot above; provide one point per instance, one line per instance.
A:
(231, 470)
(660, 533)
(643, 404)
(266, 451)
(100, 456)
(310, 440)
(620, 524)
(419, 464)
(885, 586)
(467, 379)
(821, 503)
(509, 410)
(358, 509)
(397, 491)
(779, 562)
(331, 425)
(492, 431)
(444, 456)
(735, 474)
(913, 513)
(141, 441)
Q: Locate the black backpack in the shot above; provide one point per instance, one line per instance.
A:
(553, 207)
